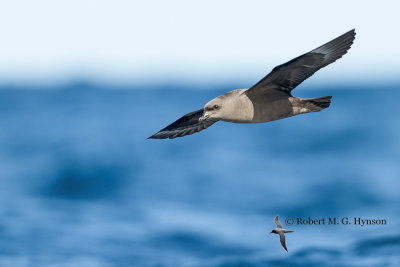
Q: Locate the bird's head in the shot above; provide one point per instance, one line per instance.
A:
(273, 232)
(213, 110)
(224, 107)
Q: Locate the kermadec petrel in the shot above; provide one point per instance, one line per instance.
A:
(281, 232)
(268, 100)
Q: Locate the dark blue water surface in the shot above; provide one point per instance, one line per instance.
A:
(80, 185)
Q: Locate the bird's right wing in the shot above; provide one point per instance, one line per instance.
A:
(277, 222)
(188, 124)
(287, 76)
(282, 238)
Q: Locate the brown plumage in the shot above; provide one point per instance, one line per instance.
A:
(269, 99)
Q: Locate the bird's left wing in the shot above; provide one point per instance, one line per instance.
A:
(188, 124)
(277, 222)
(287, 76)
(283, 242)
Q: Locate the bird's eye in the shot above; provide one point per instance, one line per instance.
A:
(216, 106)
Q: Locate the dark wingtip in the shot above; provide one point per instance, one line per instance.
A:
(285, 248)
(154, 136)
(352, 31)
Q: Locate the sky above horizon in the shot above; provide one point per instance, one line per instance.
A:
(152, 41)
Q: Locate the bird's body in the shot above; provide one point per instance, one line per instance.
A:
(281, 232)
(268, 100)
(239, 107)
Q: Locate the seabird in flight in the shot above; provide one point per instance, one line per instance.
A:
(281, 232)
(268, 100)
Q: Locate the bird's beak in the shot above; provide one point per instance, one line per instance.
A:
(204, 117)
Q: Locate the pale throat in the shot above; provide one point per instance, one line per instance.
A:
(238, 109)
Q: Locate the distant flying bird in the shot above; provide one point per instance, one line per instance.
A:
(281, 232)
(268, 100)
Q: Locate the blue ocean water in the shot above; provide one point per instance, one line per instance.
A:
(80, 185)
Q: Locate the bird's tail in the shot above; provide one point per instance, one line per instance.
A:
(317, 104)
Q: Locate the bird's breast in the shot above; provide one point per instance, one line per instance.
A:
(239, 110)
